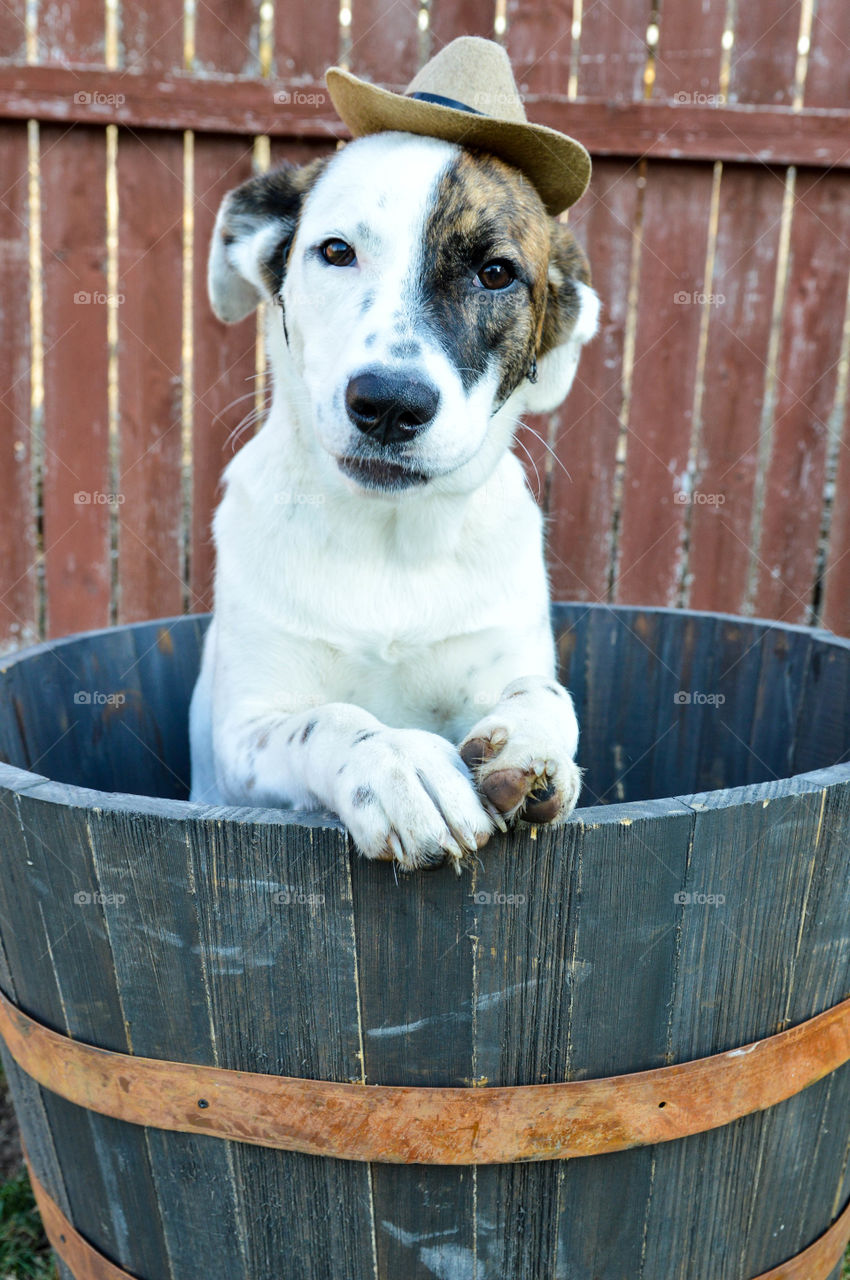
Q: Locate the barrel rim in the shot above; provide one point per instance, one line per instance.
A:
(71, 795)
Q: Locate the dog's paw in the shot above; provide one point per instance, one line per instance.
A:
(521, 754)
(406, 795)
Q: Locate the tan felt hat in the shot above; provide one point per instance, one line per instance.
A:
(467, 94)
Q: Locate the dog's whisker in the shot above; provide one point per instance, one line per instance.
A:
(530, 457)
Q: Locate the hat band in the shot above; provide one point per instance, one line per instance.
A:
(444, 102)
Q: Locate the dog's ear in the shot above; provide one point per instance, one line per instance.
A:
(251, 239)
(569, 320)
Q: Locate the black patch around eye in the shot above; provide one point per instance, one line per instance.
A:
(473, 213)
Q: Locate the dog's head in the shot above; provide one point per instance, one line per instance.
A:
(425, 300)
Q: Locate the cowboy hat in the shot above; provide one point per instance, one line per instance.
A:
(467, 94)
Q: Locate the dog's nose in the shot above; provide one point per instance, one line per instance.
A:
(390, 406)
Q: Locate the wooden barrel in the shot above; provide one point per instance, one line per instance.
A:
(698, 905)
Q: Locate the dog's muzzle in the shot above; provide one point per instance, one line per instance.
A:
(389, 406)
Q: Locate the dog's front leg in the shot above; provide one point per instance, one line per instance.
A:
(404, 794)
(522, 753)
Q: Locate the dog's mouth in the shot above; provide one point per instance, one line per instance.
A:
(377, 473)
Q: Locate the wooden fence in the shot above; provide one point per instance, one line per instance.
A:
(702, 458)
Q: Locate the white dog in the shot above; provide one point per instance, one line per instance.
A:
(381, 643)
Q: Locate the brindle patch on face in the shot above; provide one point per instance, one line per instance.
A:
(484, 209)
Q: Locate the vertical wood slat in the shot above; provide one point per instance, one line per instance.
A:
(69, 974)
(150, 305)
(764, 55)
(71, 37)
(76, 430)
(385, 41)
(223, 356)
(421, 1034)
(809, 352)
(612, 51)
(306, 40)
(539, 43)
(687, 57)
(721, 506)
(13, 31)
(465, 18)
(828, 85)
(227, 36)
(828, 71)
(582, 489)
(18, 581)
(311, 1212)
(150, 324)
(724, 955)
(836, 605)
(675, 230)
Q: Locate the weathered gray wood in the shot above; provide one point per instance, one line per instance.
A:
(160, 968)
(415, 956)
(283, 999)
(734, 983)
(580, 963)
(65, 976)
(631, 862)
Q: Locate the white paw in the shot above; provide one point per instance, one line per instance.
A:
(406, 795)
(521, 754)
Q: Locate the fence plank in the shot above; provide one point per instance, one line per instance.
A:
(13, 31)
(687, 58)
(828, 72)
(612, 50)
(827, 85)
(227, 36)
(836, 607)
(736, 365)
(223, 358)
(676, 215)
(18, 581)
(764, 55)
(150, 325)
(466, 18)
(71, 35)
(150, 239)
(306, 40)
(385, 41)
(809, 352)
(76, 441)
(582, 497)
(539, 42)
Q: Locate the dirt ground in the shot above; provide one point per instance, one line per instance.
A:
(10, 1147)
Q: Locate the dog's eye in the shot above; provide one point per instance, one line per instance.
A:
(337, 253)
(497, 274)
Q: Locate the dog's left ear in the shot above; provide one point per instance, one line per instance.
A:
(252, 236)
(569, 320)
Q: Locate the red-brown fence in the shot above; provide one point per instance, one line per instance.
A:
(703, 456)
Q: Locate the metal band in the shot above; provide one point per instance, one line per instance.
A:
(86, 1263)
(417, 1125)
(81, 1258)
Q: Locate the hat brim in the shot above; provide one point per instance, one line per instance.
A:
(557, 165)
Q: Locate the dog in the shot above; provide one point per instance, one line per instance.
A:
(381, 642)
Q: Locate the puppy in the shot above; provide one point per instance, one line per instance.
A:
(381, 644)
